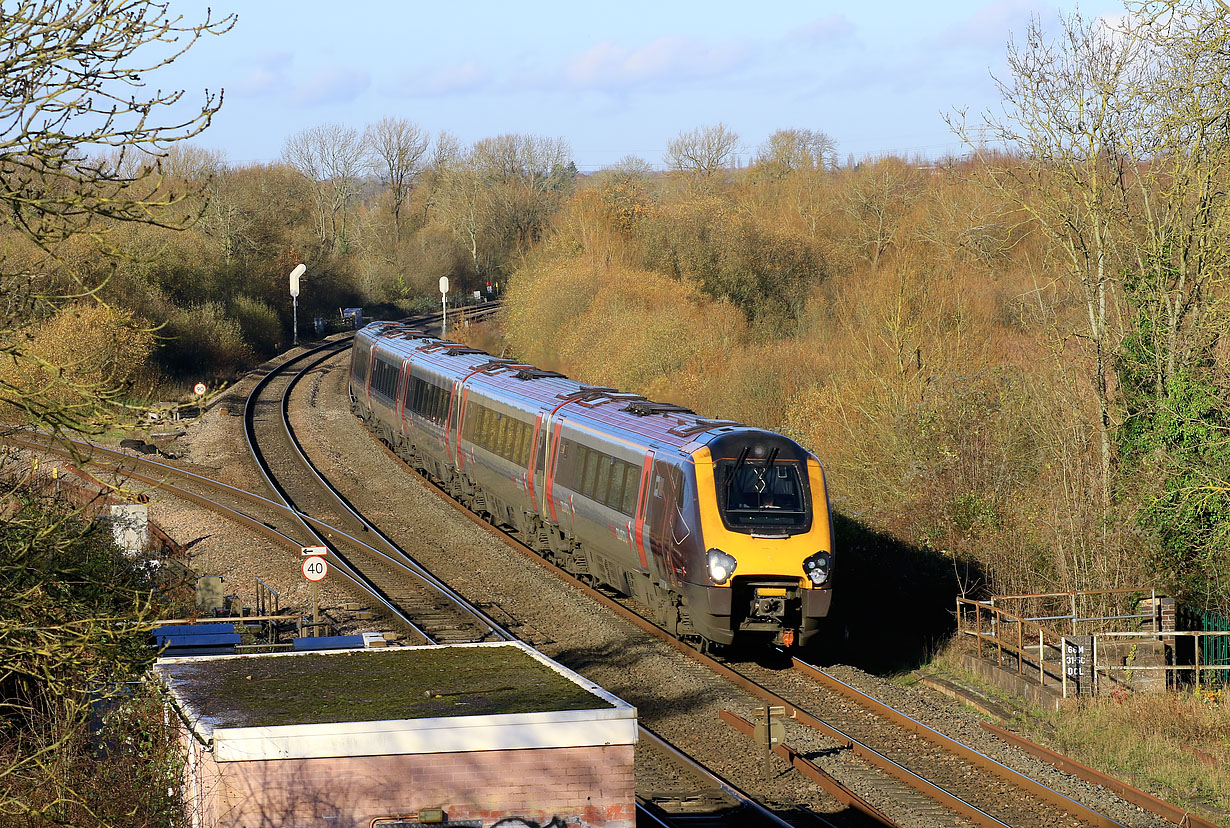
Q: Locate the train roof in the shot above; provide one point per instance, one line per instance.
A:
(606, 408)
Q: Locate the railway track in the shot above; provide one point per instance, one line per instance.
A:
(844, 749)
(301, 508)
(394, 580)
(904, 760)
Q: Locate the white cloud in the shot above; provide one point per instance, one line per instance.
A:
(991, 26)
(338, 84)
(267, 74)
(451, 80)
(832, 28)
(669, 58)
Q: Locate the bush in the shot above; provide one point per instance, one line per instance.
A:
(259, 325)
(76, 366)
(202, 342)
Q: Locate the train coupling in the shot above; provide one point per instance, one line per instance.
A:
(785, 638)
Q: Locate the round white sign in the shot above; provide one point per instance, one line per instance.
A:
(315, 568)
(444, 284)
(199, 389)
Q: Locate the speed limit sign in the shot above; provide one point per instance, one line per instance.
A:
(315, 568)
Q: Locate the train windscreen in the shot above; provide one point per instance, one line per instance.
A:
(766, 494)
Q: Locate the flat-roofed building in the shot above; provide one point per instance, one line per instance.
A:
(472, 734)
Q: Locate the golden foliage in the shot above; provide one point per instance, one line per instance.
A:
(79, 361)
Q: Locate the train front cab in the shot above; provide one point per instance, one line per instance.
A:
(767, 544)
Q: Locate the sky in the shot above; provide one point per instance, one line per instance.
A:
(612, 79)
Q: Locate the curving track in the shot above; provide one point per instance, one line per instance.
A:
(938, 783)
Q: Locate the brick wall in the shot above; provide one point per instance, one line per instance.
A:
(581, 785)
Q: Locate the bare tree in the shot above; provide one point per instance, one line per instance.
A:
(396, 149)
(702, 153)
(331, 158)
(876, 201)
(459, 199)
(787, 150)
(527, 176)
(1069, 105)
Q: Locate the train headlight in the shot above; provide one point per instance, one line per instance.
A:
(721, 566)
(817, 568)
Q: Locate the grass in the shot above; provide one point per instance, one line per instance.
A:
(1173, 745)
(375, 686)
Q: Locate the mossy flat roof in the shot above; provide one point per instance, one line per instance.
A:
(372, 685)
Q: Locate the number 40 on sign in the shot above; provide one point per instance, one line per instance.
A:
(315, 567)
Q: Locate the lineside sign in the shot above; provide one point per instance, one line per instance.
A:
(315, 568)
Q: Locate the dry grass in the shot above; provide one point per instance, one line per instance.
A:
(1175, 746)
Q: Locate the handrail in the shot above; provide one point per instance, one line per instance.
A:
(1000, 620)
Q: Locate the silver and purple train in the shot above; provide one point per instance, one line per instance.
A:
(721, 530)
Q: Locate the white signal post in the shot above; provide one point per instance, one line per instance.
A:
(294, 298)
(443, 306)
(315, 568)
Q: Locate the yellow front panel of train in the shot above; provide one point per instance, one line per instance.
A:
(767, 557)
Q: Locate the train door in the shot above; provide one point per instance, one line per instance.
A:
(538, 462)
(557, 506)
(451, 419)
(403, 395)
(667, 529)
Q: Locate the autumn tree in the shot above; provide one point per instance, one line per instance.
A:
(1123, 160)
(1068, 105)
(83, 152)
(75, 82)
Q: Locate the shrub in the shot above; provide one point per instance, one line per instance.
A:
(203, 342)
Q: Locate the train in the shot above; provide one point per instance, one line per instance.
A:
(722, 532)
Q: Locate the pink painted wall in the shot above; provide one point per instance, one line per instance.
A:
(592, 784)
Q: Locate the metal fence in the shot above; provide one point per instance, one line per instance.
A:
(1086, 643)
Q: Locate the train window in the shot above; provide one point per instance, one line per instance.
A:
(523, 451)
(541, 450)
(591, 473)
(412, 391)
(574, 471)
(616, 498)
(754, 494)
(467, 422)
(441, 405)
(604, 478)
(632, 488)
(362, 355)
(501, 443)
(501, 430)
(510, 438)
